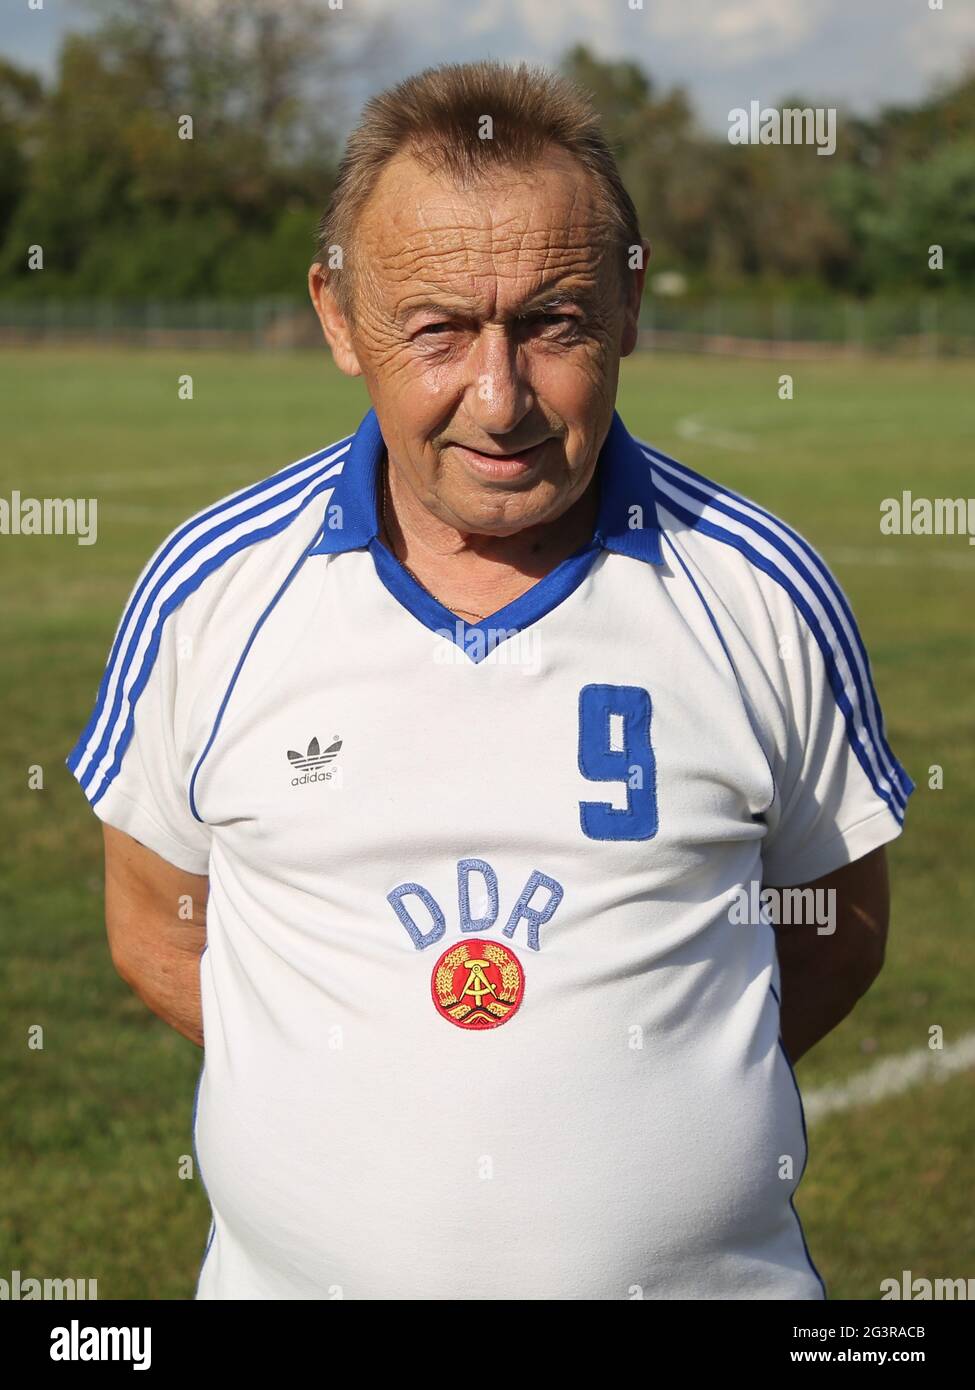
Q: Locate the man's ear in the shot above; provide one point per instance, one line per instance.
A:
(335, 325)
(636, 278)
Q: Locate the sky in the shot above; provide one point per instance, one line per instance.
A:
(858, 54)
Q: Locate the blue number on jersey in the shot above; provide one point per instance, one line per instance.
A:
(630, 762)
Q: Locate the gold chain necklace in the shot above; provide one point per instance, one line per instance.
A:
(469, 613)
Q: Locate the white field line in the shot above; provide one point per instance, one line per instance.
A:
(691, 427)
(890, 1077)
(118, 511)
(896, 559)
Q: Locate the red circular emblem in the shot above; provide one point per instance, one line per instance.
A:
(478, 984)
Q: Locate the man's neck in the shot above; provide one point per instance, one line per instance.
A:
(475, 575)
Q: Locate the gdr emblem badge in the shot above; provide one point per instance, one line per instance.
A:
(478, 984)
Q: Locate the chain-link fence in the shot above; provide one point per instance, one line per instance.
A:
(931, 326)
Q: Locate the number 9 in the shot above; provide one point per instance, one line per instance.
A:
(633, 764)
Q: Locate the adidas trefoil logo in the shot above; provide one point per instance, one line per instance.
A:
(314, 765)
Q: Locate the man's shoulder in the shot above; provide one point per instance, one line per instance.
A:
(245, 535)
(779, 611)
(204, 589)
(745, 552)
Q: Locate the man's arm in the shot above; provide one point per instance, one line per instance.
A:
(155, 914)
(823, 976)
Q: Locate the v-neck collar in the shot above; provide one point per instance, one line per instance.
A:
(626, 523)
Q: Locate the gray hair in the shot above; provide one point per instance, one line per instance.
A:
(437, 115)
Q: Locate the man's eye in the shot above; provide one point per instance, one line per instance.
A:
(560, 323)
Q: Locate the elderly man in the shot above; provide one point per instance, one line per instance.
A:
(476, 745)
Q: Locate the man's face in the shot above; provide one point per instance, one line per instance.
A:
(489, 325)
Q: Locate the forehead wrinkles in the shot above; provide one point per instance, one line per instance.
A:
(463, 242)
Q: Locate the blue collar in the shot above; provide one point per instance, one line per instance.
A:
(626, 522)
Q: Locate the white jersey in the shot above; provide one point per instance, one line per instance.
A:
(481, 1018)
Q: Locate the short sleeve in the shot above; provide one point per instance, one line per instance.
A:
(128, 760)
(840, 792)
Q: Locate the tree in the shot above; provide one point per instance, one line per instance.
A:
(930, 202)
(112, 184)
(20, 98)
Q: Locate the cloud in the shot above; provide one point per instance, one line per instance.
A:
(725, 52)
(736, 30)
(940, 40)
(853, 53)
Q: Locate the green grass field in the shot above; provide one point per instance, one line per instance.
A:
(96, 1123)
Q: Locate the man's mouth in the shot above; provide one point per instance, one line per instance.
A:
(497, 464)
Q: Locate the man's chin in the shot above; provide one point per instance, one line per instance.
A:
(497, 523)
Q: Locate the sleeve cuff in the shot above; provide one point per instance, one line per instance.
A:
(845, 847)
(118, 810)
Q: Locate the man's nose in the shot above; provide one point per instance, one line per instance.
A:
(500, 395)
